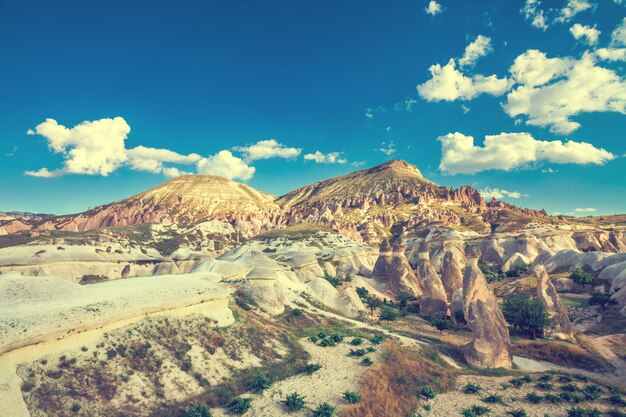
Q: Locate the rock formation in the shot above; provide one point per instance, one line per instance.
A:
(265, 290)
(490, 346)
(452, 270)
(434, 300)
(560, 326)
(394, 269)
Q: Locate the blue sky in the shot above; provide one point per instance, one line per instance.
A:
(249, 89)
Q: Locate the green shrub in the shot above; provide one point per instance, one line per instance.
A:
(356, 341)
(534, 398)
(565, 378)
(615, 413)
(592, 392)
(475, 410)
(260, 383)
(428, 392)
(240, 405)
(351, 397)
(312, 367)
(579, 276)
(313, 339)
(545, 378)
(471, 388)
(517, 270)
(526, 314)
(357, 352)
(377, 340)
(294, 402)
(337, 338)
(583, 412)
(333, 281)
(389, 314)
(198, 411)
(371, 349)
(544, 386)
(442, 323)
(553, 398)
(321, 335)
(75, 408)
(517, 413)
(328, 342)
(569, 387)
(617, 400)
(367, 362)
(324, 410)
(493, 399)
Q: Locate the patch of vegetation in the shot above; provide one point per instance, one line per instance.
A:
(377, 340)
(428, 392)
(389, 389)
(333, 281)
(367, 362)
(351, 397)
(579, 276)
(356, 341)
(311, 368)
(517, 413)
(240, 405)
(260, 383)
(493, 399)
(472, 388)
(197, 411)
(324, 410)
(517, 270)
(475, 410)
(442, 323)
(92, 279)
(525, 313)
(583, 412)
(561, 353)
(294, 402)
(534, 398)
(389, 314)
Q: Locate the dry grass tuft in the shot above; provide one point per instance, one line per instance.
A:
(391, 387)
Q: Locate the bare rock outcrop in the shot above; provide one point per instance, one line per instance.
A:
(263, 286)
(452, 270)
(435, 298)
(560, 326)
(394, 269)
(490, 346)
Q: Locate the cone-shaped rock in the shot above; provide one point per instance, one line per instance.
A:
(490, 346)
(383, 263)
(394, 269)
(560, 327)
(452, 270)
(435, 299)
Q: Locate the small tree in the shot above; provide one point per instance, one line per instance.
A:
(525, 313)
(579, 276)
(389, 314)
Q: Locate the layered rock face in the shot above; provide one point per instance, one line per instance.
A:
(490, 346)
(560, 325)
(263, 287)
(434, 300)
(394, 269)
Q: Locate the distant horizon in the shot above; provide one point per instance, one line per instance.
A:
(523, 100)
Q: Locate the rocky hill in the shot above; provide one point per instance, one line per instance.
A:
(367, 205)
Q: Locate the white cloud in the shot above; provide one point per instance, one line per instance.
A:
(449, 84)
(571, 9)
(480, 47)
(225, 164)
(329, 158)
(388, 148)
(266, 149)
(534, 14)
(618, 37)
(433, 8)
(92, 148)
(508, 151)
(611, 54)
(465, 108)
(370, 112)
(142, 158)
(588, 34)
(406, 105)
(554, 90)
(44, 173)
(549, 170)
(498, 193)
(534, 68)
(585, 210)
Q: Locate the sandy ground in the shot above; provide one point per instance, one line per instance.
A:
(339, 373)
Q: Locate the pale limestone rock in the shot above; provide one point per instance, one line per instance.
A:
(560, 326)
(490, 346)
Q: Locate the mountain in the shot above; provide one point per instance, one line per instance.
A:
(367, 205)
(185, 199)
